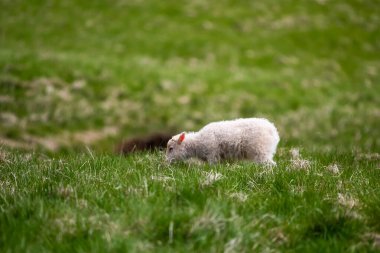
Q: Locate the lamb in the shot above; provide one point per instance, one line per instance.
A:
(253, 139)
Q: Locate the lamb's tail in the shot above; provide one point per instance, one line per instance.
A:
(274, 133)
(275, 138)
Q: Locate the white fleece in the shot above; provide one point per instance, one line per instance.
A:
(252, 139)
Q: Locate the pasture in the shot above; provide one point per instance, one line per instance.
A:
(77, 77)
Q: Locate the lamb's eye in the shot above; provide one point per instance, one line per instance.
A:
(170, 149)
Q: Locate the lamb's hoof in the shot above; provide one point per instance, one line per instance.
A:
(270, 164)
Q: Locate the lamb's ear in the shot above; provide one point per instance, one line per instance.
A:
(181, 138)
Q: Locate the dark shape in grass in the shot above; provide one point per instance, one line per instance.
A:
(371, 207)
(146, 143)
(327, 227)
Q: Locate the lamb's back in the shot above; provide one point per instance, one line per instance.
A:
(229, 127)
(251, 138)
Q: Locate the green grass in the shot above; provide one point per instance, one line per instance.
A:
(105, 203)
(76, 77)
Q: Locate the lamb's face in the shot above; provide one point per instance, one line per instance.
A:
(175, 150)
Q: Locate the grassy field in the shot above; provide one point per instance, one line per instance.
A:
(77, 77)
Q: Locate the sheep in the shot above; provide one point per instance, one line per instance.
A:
(253, 139)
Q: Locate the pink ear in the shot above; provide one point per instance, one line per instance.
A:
(181, 138)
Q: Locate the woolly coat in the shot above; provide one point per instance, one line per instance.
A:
(252, 139)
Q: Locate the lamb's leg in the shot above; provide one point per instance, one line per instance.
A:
(261, 148)
(212, 158)
(262, 159)
(212, 161)
(270, 163)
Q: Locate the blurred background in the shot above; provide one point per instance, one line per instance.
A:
(76, 74)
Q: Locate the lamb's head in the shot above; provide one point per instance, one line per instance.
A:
(176, 150)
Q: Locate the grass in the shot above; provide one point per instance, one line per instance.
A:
(77, 77)
(108, 203)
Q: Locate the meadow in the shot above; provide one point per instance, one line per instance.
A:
(77, 77)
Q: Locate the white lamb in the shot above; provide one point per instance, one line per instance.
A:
(253, 139)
